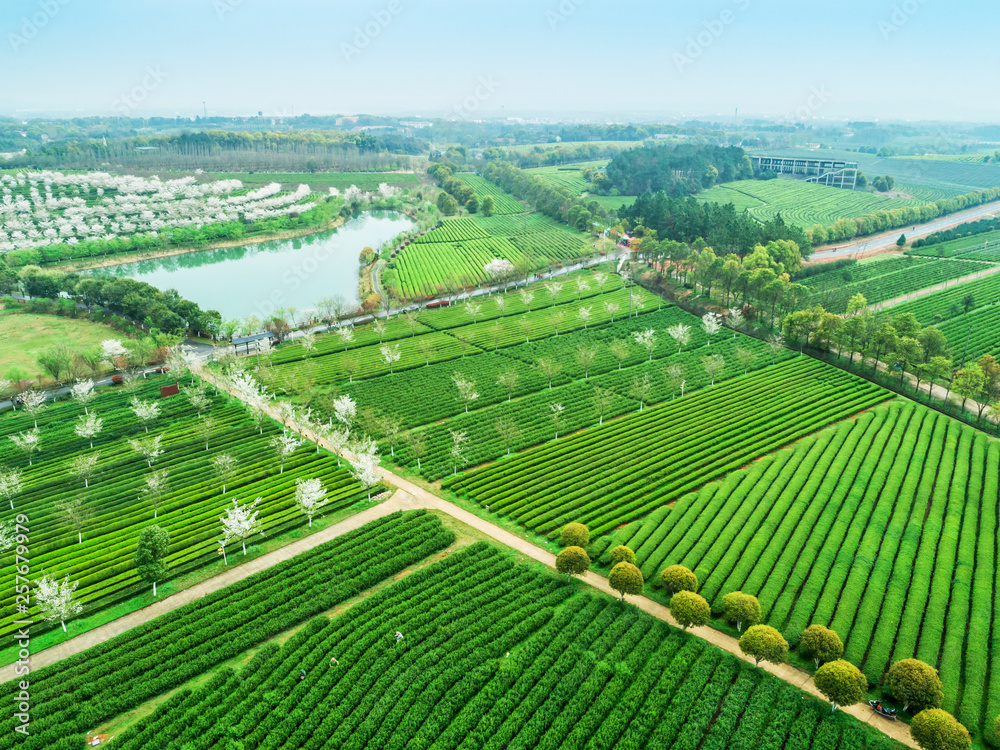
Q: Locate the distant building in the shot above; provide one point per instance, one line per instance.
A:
(833, 172)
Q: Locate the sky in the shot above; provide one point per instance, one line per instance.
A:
(807, 59)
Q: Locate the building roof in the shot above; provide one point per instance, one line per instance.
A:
(251, 339)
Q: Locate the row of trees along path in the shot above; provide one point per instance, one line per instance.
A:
(410, 496)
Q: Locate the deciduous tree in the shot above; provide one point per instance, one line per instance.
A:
(83, 393)
(56, 601)
(678, 578)
(574, 535)
(573, 561)
(625, 578)
(936, 729)
(84, 465)
(840, 681)
(821, 644)
(741, 609)
(915, 683)
(688, 608)
(150, 554)
(310, 497)
(240, 522)
(764, 643)
(621, 553)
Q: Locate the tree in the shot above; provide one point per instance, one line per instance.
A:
(640, 389)
(225, 465)
(417, 445)
(508, 380)
(840, 681)
(364, 468)
(156, 486)
(914, 683)
(936, 729)
(968, 382)
(742, 609)
(764, 643)
(391, 424)
(204, 429)
(553, 288)
(198, 398)
(145, 411)
(613, 309)
(27, 442)
(688, 608)
(603, 399)
(901, 242)
(458, 441)
(619, 350)
(284, 446)
(55, 599)
(427, 349)
(486, 208)
(775, 343)
(391, 355)
(345, 410)
(526, 298)
(34, 403)
(585, 313)
(678, 578)
(585, 356)
(90, 426)
(148, 448)
(647, 339)
(556, 319)
(574, 535)
(713, 365)
(675, 378)
(508, 430)
(150, 553)
(240, 522)
(84, 466)
(711, 322)
(526, 327)
(820, 643)
(310, 496)
(466, 390)
(681, 334)
(10, 485)
(550, 368)
(621, 553)
(83, 393)
(625, 578)
(746, 358)
(573, 561)
(74, 513)
(473, 309)
(346, 334)
(968, 302)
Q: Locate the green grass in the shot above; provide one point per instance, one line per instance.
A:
(567, 176)
(503, 203)
(24, 336)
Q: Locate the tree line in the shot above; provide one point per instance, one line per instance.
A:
(676, 170)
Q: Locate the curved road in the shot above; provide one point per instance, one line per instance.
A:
(888, 239)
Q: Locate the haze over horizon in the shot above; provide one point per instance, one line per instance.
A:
(894, 60)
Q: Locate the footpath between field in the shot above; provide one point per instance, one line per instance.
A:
(410, 496)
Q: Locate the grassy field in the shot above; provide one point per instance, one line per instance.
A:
(567, 176)
(24, 336)
(801, 203)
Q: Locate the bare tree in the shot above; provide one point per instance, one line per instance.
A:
(675, 377)
(473, 309)
(713, 366)
(584, 313)
(156, 486)
(550, 368)
(556, 411)
(204, 428)
(775, 343)
(526, 328)
(466, 390)
(412, 322)
(391, 425)
(84, 465)
(602, 400)
(458, 441)
(647, 339)
(379, 327)
(427, 349)
(746, 358)
(508, 430)
(198, 398)
(417, 445)
(613, 309)
(75, 514)
(640, 389)
(585, 356)
(508, 380)
(148, 448)
(619, 350)
(224, 465)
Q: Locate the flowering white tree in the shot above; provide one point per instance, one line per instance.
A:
(364, 466)
(711, 322)
(310, 496)
(508, 379)
(386, 191)
(553, 288)
(345, 410)
(600, 278)
(8, 536)
(775, 343)
(466, 390)
(225, 466)
(338, 439)
(198, 398)
(635, 302)
(640, 389)
(526, 298)
(379, 327)
(156, 486)
(111, 351)
(391, 355)
(557, 416)
(675, 378)
(308, 342)
(284, 446)
(473, 309)
(735, 319)
(346, 334)
(499, 270)
(353, 194)
(83, 393)
(27, 442)
(647, 339)
(149, 448)
(612, 308)
(585, 356)
(55, 599)
(76, 514)
(458, 441)
(34, 403)
(714, 365)
(581, 287)
(145, 411)
(240, 522)
(584, 313)
(681, 334)
(10, 485)
(84, 465)
(501, 301)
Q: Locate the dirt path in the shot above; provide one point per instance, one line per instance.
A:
(936, 288)
(411, 497)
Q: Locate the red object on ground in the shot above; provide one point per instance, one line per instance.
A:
(162, 369)
(169, 390)
(117, 379)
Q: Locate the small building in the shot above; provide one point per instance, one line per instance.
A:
(247, 341)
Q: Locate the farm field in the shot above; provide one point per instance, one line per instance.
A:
(612, 202)
(801, 203)
(882, 528)
(25, 336)
(883, 278)
(980, 328)
(567, 176)
(75, 695)
(609, 475)
(984, 246)
(503, 203)
(549, 668)
(115, 506)
(946, 303)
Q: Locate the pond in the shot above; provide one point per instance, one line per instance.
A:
(258, 279)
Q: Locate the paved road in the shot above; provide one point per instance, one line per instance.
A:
(888, 239)
(410, 496)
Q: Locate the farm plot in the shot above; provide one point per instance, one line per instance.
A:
(551, 246)
(453, 230)
(115, 504)
(613, 474)
(979, 330)
(508, 226)
(882, 280)
(984, 246)
(948, 303)
(332, 343)
(567, 177)
(503, 203)
(549, 668)
(75, 695)
(427, 268)
(882, 528)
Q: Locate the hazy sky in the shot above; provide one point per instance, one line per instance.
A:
(921, 59)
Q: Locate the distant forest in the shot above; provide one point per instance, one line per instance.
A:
(676, 170)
